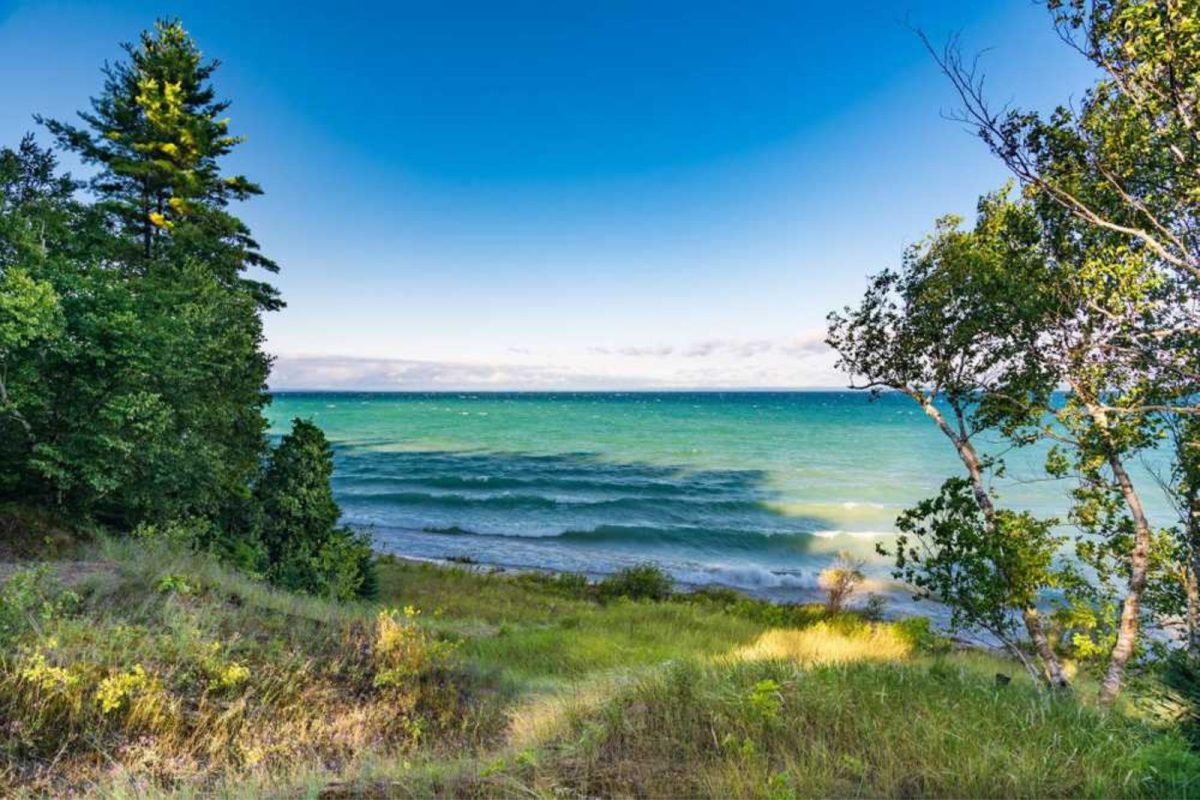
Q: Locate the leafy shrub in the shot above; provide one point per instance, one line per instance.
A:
(29, 598)
(404, 651)
(918, 631)
(948, 550)
(345, 566)
(875, 608)
(173, 583)
(416, 672)
(643, 582)
(573, 585)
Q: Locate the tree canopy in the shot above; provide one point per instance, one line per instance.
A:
(132, 370)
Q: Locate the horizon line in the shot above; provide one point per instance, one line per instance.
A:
(642, 390)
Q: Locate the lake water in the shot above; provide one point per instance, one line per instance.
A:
(758, 491)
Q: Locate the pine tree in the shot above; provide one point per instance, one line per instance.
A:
(306, 550)
(157, 134)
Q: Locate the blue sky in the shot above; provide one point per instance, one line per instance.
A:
(567, 194)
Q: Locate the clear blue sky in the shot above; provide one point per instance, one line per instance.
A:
(571, 194)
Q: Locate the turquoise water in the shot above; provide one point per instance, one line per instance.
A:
(753, 490)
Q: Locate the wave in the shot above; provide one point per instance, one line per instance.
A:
(535, 484)
(746, 577)
(844, 513)
(504, 500)
(680, 536)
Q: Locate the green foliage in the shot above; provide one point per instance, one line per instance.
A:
(184, 685)
(130, 347)
(157, 134)
(132, 375)
(920, 635)
(1115, 182)
(947, 551)
(643, 582)
(405, 653)
(305, 548)
(30, 599)
(567, 584)
(948, 330)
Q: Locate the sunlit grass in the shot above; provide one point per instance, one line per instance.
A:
(775, 729)
(827, 644)
(557, 691)
(182, 671)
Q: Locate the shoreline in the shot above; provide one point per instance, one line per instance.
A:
(815, 597)
(935, 613)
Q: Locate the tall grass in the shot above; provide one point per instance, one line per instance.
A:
(775, 729)
(168, 674)
(179, 671)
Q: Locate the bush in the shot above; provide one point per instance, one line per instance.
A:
(643, 582)
(876, 608)
(840, 580)
(306, 550)
(572, 585)
(29, 598)
(920, 633)
(346, 566)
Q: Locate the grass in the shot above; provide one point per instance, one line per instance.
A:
(167, 674)
(778, 729)
(177, 670)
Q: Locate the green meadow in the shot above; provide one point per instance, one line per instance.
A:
(156, 671)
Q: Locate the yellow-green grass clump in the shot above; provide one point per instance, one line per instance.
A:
(179, 671)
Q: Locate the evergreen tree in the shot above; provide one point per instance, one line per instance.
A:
(306, 550)
(185, 401)
(157, 134)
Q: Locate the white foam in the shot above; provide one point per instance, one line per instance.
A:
(744, 577)
(853, 534)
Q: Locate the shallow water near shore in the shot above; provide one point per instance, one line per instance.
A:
(754, 490)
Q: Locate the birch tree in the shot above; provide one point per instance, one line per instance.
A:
(1117, 181)
(934, 332)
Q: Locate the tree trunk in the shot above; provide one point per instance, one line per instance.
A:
(1193, 605)
(1041, 643)
(1029, 615)
(1191, 522)
(1139, 564)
